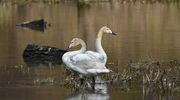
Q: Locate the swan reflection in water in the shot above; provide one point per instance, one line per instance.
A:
(98, 93)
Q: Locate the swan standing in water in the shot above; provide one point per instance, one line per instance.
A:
(87, 63)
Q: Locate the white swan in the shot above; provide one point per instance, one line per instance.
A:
(67, 57)
(100, 53)
(83, 63)
(89, 63)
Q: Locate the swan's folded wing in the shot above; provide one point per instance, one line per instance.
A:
(96, 56)
(80, 58)
(85, 61)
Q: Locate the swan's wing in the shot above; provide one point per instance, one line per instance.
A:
(80, 58)
(96, 56)
(85, 61)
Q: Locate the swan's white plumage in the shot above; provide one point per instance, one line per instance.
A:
(87, 64)
(96, 56)
(98, 71)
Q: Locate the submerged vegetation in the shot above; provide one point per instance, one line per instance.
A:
(161, 76)
(152, 77)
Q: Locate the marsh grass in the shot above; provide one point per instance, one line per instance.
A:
(162, 76)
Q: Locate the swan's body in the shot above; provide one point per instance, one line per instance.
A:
(88, 63)
(83, 62)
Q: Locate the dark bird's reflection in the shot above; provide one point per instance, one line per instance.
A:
(98, 93)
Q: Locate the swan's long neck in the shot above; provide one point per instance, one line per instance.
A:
(99, 45)
(72, 53)
(83, 46)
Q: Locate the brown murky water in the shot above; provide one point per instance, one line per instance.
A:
(144, 31)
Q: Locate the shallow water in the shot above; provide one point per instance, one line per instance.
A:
(145, 31)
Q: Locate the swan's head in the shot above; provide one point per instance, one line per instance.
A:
(75, 42)
(107, 30)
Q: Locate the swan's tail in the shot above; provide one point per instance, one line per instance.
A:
(98, 71)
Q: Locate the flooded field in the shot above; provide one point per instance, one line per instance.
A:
(146, 32)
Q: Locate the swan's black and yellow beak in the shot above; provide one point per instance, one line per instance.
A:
(114, 33)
